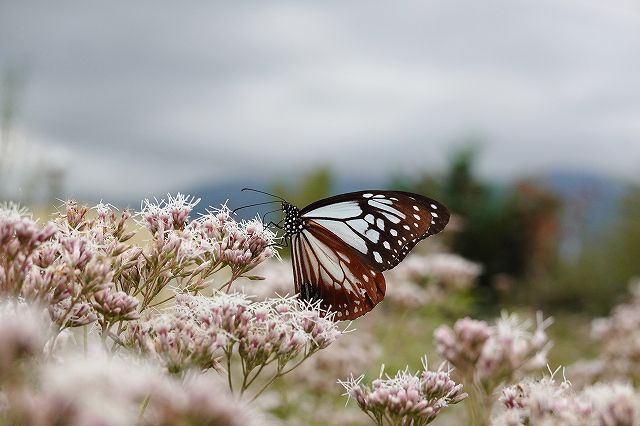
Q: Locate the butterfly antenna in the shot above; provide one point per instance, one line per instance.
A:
(253, 205)
(265, 193)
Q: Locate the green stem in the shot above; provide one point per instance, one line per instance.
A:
(228, 355)
(246, 384)
(143, 406)
(160, 303)
(262, 389)
(477, 403)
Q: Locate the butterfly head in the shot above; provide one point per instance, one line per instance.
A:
(292, 220)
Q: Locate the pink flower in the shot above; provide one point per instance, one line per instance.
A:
(22, 334)
(406, 398)
(494, 352)
(165, 215)
(463, 344)
(115, 305)
(548, 401)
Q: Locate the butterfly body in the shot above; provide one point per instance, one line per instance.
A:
(341, 245)
(293, 223)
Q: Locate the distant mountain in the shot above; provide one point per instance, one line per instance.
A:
(590, 204)
(598, 195)
(590, 199)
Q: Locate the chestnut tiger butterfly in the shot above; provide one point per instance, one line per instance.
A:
(341, 245)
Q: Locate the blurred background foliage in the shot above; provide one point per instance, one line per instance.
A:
(27, 173)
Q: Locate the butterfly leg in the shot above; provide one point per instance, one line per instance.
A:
(264, 216)
(309, 293)
(280, 244)
(275, 225)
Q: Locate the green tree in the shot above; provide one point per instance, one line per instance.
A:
(598, 277)
(312, 186)
(497, 226)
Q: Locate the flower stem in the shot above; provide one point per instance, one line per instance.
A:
(263, 388)
(228, 355)
(143, 406)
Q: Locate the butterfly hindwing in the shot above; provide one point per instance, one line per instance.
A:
(383, 226)
(329, 270)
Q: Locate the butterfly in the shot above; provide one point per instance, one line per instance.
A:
(341, 245)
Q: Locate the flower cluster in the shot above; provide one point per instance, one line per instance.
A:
(463, 344)
(20, 236)
(61, 264)
(487, 356)
(547, 401)
(619, 336)
(97, 389)
(406, 398)
(497, 352)
(115, 306)
(198, 248)
(84, 267)
(201, 331)
(22, 335)
(447, 269)
(423, 279)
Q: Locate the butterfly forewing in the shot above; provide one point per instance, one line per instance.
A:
(383, 226)
(327, 269)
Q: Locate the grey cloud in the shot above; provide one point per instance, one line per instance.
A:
(215, 89)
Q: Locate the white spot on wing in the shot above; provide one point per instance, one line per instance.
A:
(369, 218)
(380, 223)
(359, 225)
(394, 232)
(377, 256)
(372, 235)
(381, 206)
(346, 234)
(386, 245)
(342, 210)
(392, 218)
(344, 257)
(384, 201)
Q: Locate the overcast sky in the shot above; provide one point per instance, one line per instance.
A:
(138, 98)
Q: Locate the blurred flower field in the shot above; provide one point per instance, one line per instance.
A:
(166, 317)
